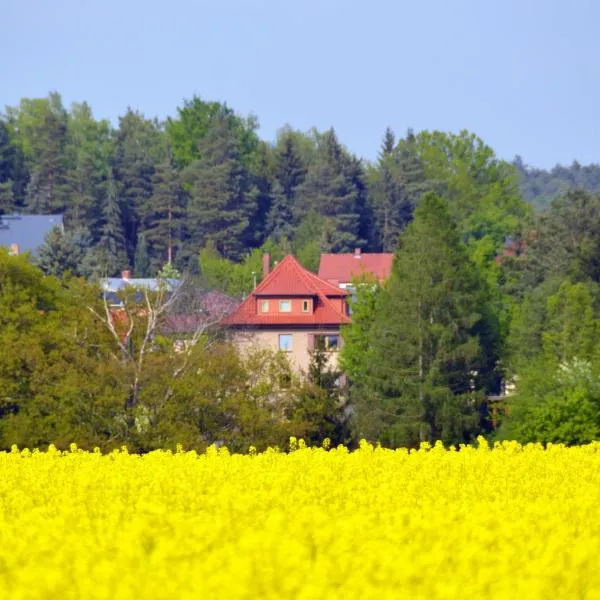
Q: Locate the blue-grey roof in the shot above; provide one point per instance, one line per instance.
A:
(27, 231)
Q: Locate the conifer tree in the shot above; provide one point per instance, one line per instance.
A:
(222, 198)
(139, 147)
(396, 183)
(427, 362)
(290, 172)
(163, 225)
(333, 188)
(112, 256)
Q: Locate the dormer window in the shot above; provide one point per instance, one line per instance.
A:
(285, 306)
(305, 306)
(264, 306)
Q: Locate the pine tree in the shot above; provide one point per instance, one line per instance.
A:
(222, 199)
(112, 257)
(427, 362)
(332, 188)
(163, 225)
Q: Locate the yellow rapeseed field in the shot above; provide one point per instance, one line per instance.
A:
(509, 522)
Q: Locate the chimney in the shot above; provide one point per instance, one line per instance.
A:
(357, 253)
(126, 275)
(13, 250)
(266, 264)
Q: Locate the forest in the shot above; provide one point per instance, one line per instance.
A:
(495, 281)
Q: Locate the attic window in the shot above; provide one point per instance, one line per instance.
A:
(264, 306)
(285, 306)
(305, 306)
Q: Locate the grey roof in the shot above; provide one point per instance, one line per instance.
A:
(27, 231)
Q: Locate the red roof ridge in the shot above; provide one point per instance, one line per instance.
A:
(315, 285)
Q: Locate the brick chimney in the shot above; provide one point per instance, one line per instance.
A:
(13, 250)
(266, 264)
(126, 275)
(357, 253)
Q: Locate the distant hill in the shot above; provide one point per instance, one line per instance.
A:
(540, 187)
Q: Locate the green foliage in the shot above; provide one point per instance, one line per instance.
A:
(235, 279)
(557, 403)
(194, 122)
(222, 197)
(357, 352)
(334, 189)
(61, 253)
(428, 366)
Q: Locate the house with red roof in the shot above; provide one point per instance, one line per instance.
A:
(291, 310)
(341, 269)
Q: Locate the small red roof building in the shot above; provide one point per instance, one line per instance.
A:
(291, 310)
(292, 295)
(341, 269)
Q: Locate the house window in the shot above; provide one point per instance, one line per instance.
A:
(329, 342)
(285, 342)
(305, 306)
(264, 306)
(285, 306)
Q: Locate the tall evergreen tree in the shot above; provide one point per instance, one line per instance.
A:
(290, 172)
(222, 198)
(112, 257)
(164, 216)
(333, 187)
(139, 147)
(88, 150)
(396, 183)
(427, 362)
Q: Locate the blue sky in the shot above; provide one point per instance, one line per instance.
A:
(522, 74)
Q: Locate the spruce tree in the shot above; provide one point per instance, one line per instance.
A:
(163, 225)
(139, 147)
(397, 182)
(290, 172)
(112, 257)
(333, 187)
(222, 198)
(427, 360)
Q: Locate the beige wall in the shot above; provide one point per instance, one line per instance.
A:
(299, 355)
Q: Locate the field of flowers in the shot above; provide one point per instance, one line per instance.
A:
(510, 522)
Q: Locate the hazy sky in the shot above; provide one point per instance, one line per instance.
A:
(522, 74)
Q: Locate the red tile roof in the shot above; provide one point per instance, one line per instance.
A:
(290, 278)
(343, 267)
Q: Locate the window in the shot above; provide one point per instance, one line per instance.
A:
(285, 306)
(285, 342)
(264, 306)
(329, 343)
(305, 306)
